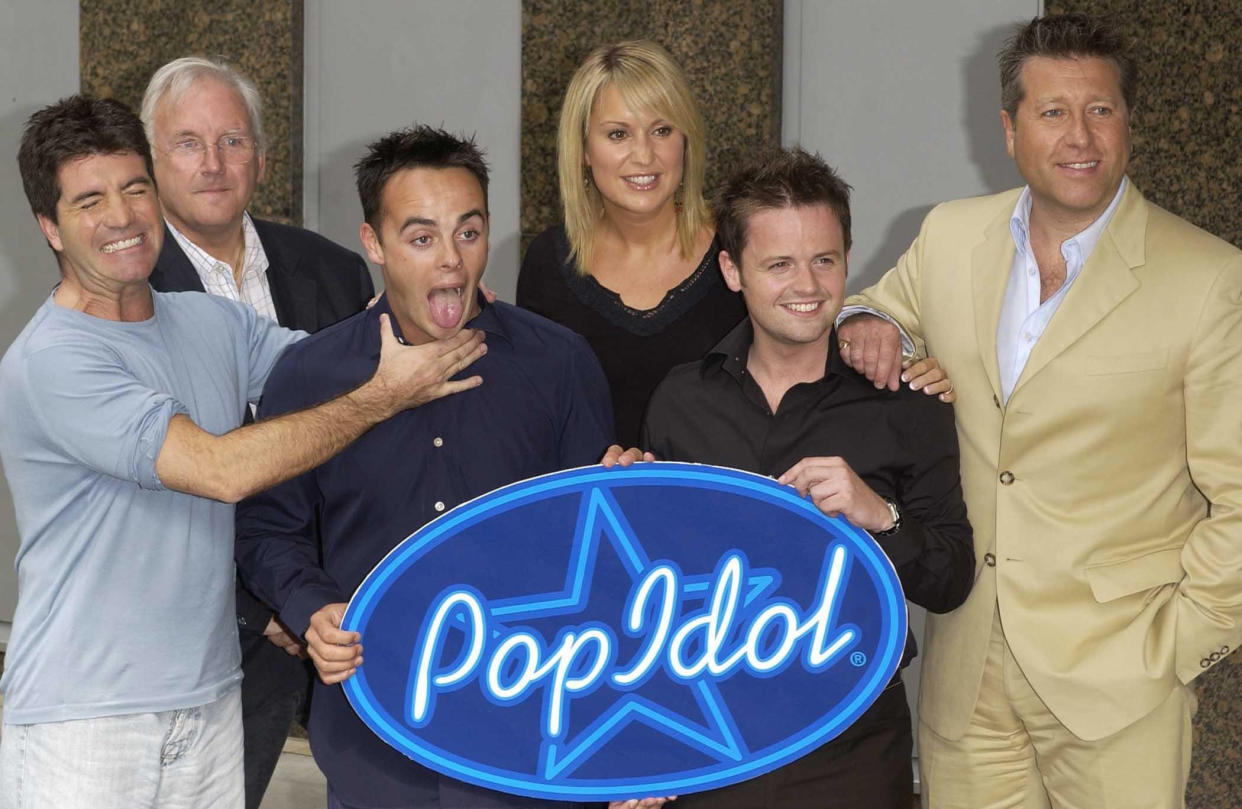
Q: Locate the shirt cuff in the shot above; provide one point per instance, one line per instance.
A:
(304, 603)
(907, 345)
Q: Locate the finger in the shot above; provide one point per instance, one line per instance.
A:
(802, 467)
(948, 397)
(612, 456)
(452, 386)
(631, 456)
(330, 634)
(330, 652)
(459, 341)
(332, 678)
(649, 456)
(457, 365)
(887, 365)
(387, 338)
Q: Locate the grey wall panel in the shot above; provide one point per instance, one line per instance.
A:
(38, 64)
(377, 65)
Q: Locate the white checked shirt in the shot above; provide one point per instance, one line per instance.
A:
(217, 277)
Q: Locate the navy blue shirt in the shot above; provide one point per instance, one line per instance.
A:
(543, 406)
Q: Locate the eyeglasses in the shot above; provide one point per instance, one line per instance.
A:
(231, 148)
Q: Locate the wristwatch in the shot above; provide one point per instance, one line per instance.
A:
(896, 515)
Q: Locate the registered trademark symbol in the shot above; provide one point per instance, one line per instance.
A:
(858, 659)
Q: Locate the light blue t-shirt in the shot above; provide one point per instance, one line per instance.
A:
(125, 589)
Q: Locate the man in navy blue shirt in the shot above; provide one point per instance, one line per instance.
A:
(306, 545)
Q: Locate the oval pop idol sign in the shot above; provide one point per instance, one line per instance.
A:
(599, 634)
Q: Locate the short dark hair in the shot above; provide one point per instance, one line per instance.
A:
(419, 146)
(72, 128)
(1063, 36)
(778, 178)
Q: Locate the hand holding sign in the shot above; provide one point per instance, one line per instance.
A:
(337, 654)
(835, 489)
(615, 456)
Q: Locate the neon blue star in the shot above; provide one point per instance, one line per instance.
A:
(718, 737)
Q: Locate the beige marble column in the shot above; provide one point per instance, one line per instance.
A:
(1188, 158)
(124, 41)
(730, 50)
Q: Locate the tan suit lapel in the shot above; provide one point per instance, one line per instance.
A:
(990, 265)
(1105, 281)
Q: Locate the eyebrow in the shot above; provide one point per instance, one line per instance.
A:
(419, 220)
(784, 257)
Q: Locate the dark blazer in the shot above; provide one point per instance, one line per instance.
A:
(314, 282)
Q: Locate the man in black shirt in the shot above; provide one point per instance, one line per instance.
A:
(774, 397)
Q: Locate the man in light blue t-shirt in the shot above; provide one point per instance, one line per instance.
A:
(119, 432)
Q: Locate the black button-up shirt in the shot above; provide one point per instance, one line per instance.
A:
(903, 445)
(543, 406)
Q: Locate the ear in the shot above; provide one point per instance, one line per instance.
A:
(731, 272)
(1010, 126)
(262, 170)
(51, 232)
(371, 243)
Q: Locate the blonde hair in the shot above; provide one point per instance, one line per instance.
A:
(648, 80)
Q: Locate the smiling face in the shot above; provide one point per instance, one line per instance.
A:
(1070, 137)
(432, 247)
(635, 159)
(204, 196)
(108, 231)
(791, 274)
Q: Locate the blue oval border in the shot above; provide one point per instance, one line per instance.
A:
(407, 552)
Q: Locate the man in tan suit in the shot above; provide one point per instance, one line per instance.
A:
(1095, 342)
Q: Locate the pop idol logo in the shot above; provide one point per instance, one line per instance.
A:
(599, 634)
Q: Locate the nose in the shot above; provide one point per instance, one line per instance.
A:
(451, 256)
(643, 153)
(1079, 132)
(212, 163)
(804, 281)
(119, 212)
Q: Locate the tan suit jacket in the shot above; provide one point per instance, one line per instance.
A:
(1106, 496)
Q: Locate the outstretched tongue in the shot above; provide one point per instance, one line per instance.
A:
(445, 306)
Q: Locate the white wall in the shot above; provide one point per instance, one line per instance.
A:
(373, 66)
(38, 64)
(903, 99)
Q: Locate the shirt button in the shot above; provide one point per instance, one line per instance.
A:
(439, 505)
(989, 559)
(1006, 477)
(437, 441)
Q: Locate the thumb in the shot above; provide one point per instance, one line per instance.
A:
(336, 613)
(387, 337)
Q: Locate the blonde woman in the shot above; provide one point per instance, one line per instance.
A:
(634, 267)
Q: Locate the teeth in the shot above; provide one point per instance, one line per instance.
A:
(642, 179)
(802, 307)
(112, 247)
(1090, 165)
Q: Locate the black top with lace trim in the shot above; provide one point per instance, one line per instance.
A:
(636, 347)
